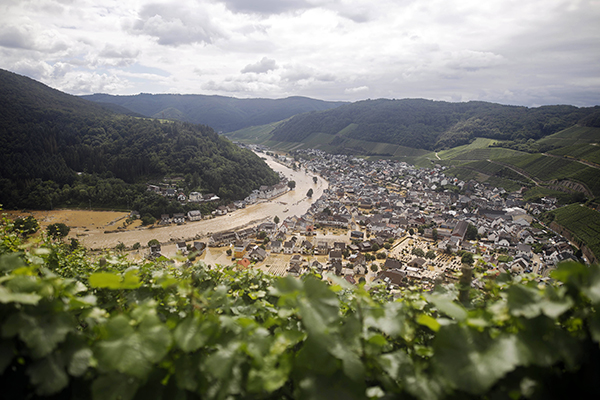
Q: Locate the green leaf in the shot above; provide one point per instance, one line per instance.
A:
(528, 302)
(273, 375)
(572, 273)
(186, 372)
(41, 333)
(105, 280)
(48, 376)
(257, 295)
(447, 306)
(114, 387)
(592, 289)
(393, 321)
(594, 326)
(428, 321)
(377, 340)
(131, 280)
(524, 301)
(10, 262)
(471, 360)
(189, 334)
(7, 296)
(81, 360)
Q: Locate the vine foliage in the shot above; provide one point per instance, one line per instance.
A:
(75, 327)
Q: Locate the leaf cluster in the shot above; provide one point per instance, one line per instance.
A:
(114, 329)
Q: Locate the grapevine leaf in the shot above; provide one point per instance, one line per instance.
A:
(41, 333)
(105, 280)
(528, 302)
(133, 352)
(595, 326)
(272, 376)
(428, 321)
(114, 387)
(48, 376)
(10, 262)
(472, 360)
(393, 322)
(448, 307)
(186, 372)
(80, 361)
(592, 289)
(571, 273)
(131, 280)
(7, 296)
(189, 334)
(524, 301)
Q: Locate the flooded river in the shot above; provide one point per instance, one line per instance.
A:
(293, 202)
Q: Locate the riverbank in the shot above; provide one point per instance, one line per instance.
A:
(89, 227)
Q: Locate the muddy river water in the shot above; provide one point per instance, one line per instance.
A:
(293, 202)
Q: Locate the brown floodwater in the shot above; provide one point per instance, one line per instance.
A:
(293, 202)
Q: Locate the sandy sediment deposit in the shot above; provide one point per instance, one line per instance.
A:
(105, 229)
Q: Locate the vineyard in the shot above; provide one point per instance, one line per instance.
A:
(78, 327)
(583, 222)
(585, 152)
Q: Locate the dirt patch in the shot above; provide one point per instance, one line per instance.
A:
(81, 219)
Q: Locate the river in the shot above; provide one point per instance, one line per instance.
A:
(294, 201)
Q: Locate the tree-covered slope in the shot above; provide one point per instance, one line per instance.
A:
(430, 124)
(51, 139)
(222, 113)
(77, 328)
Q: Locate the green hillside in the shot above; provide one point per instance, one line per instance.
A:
(427, 124)
(225, 114)
(61, 150)
(582, 222)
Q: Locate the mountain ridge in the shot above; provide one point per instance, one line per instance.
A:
(62, 150)
(220, 112)
(429, 124)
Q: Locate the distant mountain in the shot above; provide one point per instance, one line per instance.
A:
(61, 150)
(427, 124)
(222, 113)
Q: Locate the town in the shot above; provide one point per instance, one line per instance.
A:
(391, 223)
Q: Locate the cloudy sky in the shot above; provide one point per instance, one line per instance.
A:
(526, 52)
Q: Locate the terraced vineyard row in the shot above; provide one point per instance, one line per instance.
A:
(583, 222)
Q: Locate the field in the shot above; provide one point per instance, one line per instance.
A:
(583, 222)
(77, 219)
(572, 136)
(584, 152)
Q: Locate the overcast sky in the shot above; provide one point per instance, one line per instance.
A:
(526, 52)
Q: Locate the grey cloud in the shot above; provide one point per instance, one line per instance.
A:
(15, 38)
(176, 26)
(266, 7)
(262, 67)
(110, 51)
(303, 73)
(473, 60)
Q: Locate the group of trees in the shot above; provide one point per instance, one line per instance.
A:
(429, 124)
(62, 151)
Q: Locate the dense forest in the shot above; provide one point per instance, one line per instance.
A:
(222, 113)
(430, 125)
(60, 150)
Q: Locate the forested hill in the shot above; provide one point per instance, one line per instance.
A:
(61, 150)
(428, 124)
(222, 113)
